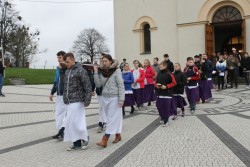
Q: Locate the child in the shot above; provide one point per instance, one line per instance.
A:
(164, 83)
(178, 90)
(221, 67)
(138, 85)
(149, 93)
(129, 97)
(193, 75)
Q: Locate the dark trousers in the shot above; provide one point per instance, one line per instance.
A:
(78, 143)
(247, 75)
(233, 77)
(220, 80)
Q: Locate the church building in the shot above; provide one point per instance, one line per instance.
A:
(145, 29)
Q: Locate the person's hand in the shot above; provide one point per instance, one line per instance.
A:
(163, 87)
(51, 97)
(200, 71)
(189, 78)
(93, 93)
(95, 68)
(121, 104)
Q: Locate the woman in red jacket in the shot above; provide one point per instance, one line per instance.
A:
(138, 85)
(149, 93)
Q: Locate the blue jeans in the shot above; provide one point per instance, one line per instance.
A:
(1, 83)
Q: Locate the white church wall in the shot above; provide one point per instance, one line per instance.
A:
(163, 40)
(248, 35)
(191, 42)
(188, 11)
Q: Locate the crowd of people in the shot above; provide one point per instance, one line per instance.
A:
(120, 86)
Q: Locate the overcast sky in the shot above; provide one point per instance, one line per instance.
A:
(60, 24)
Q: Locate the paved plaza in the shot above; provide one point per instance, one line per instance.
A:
(217, 135)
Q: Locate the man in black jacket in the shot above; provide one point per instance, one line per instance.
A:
(2, 67)
(245, 64)
(170, 65)
(77, 94)
(60, 106)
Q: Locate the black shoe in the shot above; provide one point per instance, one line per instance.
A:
(123, 111)
(73, 148)
(2, 95)
(149, 103)
(56, 136)
(132, 110)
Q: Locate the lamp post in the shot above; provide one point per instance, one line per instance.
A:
(2, 52)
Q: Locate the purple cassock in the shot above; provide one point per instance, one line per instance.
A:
(204, 90)
(149, 93)
(129, 100)
(192, 95)
(139, 96)
(165, 107)
(178, 102)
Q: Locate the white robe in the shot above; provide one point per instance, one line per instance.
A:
(113, 113)
(75, 123)
(102, 114)
(60, 112)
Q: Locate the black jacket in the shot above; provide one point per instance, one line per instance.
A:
(77, 86)
(58, 83)
(245, 63)
(181, 81)
(164, 77)
(1, 68)
(170, 66)
(207, 69)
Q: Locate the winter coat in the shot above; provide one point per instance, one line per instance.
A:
(245, 63)
(193, 73)
(164, 77)
(149, 75)
(170, 66)
(58, 83)
(77, 87)
(181, 81)
(207, 69)
(128, 80)
(140, 80)
(114, 86)
(221, 66)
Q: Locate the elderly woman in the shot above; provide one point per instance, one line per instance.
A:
(111, 98)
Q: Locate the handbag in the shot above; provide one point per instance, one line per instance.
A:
(99, 90)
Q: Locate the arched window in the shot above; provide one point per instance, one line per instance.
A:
(226, 14)
(147, 38)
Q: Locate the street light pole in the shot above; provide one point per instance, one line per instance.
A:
(2, 52)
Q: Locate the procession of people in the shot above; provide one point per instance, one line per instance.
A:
(119, 87)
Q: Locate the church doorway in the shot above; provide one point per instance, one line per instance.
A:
(226, 31)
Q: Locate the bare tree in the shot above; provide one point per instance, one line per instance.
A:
(90, 44)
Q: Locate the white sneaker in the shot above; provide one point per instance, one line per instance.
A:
(166, 124)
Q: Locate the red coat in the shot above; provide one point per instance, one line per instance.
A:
(140, 80)
(150, 74)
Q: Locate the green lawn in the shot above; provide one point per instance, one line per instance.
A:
(31, 76)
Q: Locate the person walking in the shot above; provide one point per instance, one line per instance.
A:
(149, 93)
(169, 63)
(128, 81)
(156, 65)
(60, 111)
(138, 85)
(221, 67)
(193, 76)
(164, 84)
(112, 97)
(178, 90)
(77, 95)
(2, 68)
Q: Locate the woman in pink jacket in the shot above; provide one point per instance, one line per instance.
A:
(149, 90)
(138, 85)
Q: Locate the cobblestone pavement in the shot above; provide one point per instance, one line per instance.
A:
(216, 135)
